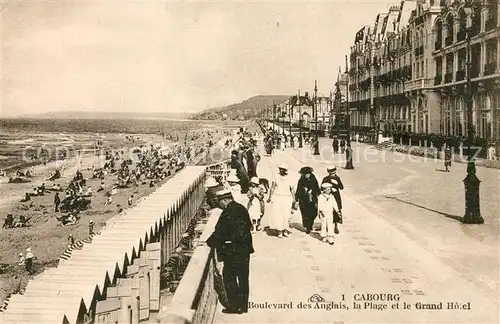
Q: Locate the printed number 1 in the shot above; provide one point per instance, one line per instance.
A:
(343, 297)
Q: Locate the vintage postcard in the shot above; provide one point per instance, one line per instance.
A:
(249, 161)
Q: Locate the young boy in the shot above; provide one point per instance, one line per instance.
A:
(326, 210)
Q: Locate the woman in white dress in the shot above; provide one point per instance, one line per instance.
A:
(256, 204)
(281, 196)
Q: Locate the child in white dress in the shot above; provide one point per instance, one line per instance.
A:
(256, 204)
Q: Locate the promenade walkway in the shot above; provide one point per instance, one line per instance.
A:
(370, 258)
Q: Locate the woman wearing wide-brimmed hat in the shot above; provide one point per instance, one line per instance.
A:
(281, 196)
(233, 184)
(307, 197)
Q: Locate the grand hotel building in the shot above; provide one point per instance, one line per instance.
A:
(408, 70)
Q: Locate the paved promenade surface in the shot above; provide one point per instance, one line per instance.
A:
(371, 255)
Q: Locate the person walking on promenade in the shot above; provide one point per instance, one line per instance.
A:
(241, 173)
(342, 146)
(57, 202)
(256, 205)
(335, 146)
(307, 197)
(326, 210)
(232, 240)
(447, 158)
(252, 158)
(337, 185)
(348, 157)
(281, 197)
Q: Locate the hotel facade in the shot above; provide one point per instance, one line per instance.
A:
(408, 71)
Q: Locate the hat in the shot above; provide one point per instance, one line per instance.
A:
(91, 221)
(211, 182)
(21, 254)
(283, 166)
(306, 170)
(255, 180)
(28, 249)
(223, 194)
(232, 178)
(331, 169)
(326, 185)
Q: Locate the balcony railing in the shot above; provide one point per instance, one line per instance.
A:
(460, 75)
(461, 35)
(438, 45)
(438, 79)
(449, 40)
(490, 68)
(448, 77)
(417, 84)
(490, 24)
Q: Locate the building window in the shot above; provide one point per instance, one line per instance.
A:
(459, 118)
(486, 124)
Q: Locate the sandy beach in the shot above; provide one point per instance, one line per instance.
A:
(46, 236)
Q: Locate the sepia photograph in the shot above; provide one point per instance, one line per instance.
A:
(206, 162)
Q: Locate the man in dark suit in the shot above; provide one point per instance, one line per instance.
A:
(232, 238)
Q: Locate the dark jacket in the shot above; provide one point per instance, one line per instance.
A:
(303, 186)
(232, 236)
(241, 173)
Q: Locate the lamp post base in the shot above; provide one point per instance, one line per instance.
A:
(472, 208)
(316, 149)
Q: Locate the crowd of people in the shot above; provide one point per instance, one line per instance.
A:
(251, 204)
(150, 166)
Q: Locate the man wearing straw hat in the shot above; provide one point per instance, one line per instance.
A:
(232, 238)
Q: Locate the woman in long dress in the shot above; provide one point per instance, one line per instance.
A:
(256, 206)
(307, 197)
(281, 197)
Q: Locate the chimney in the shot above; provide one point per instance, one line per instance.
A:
(306, 95)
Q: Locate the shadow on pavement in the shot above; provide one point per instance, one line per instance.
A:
(457, 218)
(297, 226)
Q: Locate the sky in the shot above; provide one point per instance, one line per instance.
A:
(156, 56)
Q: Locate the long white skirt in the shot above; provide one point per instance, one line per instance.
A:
(254, 210)
(280, 212)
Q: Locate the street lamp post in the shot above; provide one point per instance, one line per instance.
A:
(315, 103)
(348, 163)
(471, 182)
(290, 122)
(282, 112)
(300, 119)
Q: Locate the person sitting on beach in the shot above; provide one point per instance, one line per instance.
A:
(23, 222)
(109, 201)
(8, 222)
(101, 187)
(114, 191)
(88, 192)
(26, 198)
